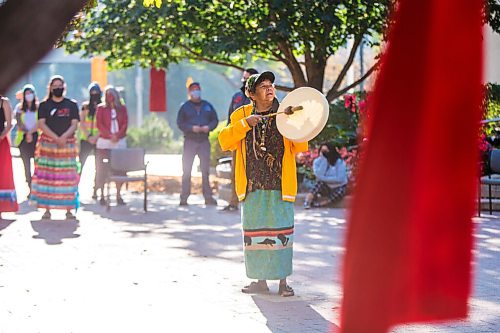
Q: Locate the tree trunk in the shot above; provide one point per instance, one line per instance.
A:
(293, 65)
(28, 30)
(315, 70)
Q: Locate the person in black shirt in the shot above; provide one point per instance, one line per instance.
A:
(55, 182)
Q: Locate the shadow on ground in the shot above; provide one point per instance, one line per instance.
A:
(54, 231)
(291, 315)
(4, 223)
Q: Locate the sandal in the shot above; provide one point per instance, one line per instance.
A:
(255, 288)
(46, 215)
(70, 216)
(285, 290)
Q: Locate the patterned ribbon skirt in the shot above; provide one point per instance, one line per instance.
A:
(267, 235)
(55, 181)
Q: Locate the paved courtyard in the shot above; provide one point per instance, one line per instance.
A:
(180, 269)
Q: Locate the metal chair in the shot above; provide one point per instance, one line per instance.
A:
(494, 167)
(126, 160)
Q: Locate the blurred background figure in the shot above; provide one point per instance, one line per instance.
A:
(55, 181)
(239, 99)
(27, 136)
(331, 176)
(88, 132)
(196, 118)
(112, 123)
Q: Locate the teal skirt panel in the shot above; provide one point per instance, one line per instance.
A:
(267, 235)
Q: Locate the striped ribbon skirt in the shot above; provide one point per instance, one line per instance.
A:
(55, 181)
(267, 235)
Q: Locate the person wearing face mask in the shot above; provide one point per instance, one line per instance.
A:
(239, 99)
(112, 123)
(196, 118)
(331, 176)
(27, 135)
(88, 132)
(8, 199)
(55, 181)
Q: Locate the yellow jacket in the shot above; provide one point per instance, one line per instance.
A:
(232, 137)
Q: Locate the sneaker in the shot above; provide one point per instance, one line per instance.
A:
(183, 203)
(307, 205)
(211, 202)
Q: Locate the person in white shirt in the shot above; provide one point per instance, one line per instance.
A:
(26, 137)
(331, 177)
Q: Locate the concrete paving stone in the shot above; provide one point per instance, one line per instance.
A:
(181, 269)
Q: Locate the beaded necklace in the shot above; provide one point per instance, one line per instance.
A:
(261, 127)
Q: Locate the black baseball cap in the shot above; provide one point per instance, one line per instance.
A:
(255, 79)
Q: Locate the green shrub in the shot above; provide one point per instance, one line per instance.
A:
(215, 150)
(492, 108)
(155, 136)
(343, 121)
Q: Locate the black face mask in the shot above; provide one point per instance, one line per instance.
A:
(58, 92)
(95, 98)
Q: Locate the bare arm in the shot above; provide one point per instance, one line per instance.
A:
(46, 130)
(71, 130)
(20, 123)
(7, 110)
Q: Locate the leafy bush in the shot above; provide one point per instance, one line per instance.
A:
(215, 150)
(492, 109)
(343, 126)
(155, 136)
(489, 137)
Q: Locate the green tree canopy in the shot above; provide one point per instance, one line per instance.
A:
(492, 14)
(303, 35)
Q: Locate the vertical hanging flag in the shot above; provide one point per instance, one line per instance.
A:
(409, 240)
(99, 71)
(157, 90)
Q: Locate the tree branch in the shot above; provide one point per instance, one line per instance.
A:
(331, 95)
(19, 28)
(275, 53)
(283, 88)
(293, 65)
(350, 60)
(216, 62)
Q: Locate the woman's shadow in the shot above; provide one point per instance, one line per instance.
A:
(54, 231)
(4, 223)
(291, 315)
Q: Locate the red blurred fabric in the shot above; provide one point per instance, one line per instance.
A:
(409, 240)
(157, 90)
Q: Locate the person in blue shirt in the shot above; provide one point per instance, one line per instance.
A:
(331, 176)
(239, 99)
(196, 118)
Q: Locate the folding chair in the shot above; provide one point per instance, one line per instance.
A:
(494, 166)
(126, 160)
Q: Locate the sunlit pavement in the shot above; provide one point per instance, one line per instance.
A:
(180, 269)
